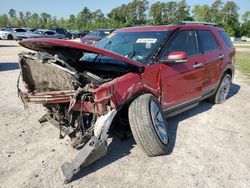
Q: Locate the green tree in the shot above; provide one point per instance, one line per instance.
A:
(71, 22)
(117, 17)
(34, 21)
(169, 13)
(183, 11)
(202, 13)
(12, 13)
(245, 27)
(98, 19)
(215, 12)
(45, 20)
(86, 16)
(230, 18)
(136, 12)
(27, 18)
(4, 20)
(156, 12)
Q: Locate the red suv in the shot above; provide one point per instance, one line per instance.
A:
(138, 75)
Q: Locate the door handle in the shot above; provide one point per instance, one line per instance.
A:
(197, 65)
(221, 56)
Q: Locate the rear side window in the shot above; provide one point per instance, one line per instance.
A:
(207, 40)
(226, 39)
(20, 30)
(184, 41)
(49, 33)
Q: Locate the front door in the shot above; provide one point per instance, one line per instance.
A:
(182, 83)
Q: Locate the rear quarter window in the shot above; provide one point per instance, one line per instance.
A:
(207, 40)
(226, 39)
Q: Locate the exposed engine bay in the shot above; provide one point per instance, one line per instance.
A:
(85, 89)
(67, 87)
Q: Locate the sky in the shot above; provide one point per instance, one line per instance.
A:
(63, 8)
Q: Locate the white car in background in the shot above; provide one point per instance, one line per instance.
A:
(12, 33)
(245, 39)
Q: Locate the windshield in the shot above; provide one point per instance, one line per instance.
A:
(139, 46)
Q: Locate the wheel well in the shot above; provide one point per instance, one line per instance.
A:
(229, 71)
(10, 36)
(120, 123)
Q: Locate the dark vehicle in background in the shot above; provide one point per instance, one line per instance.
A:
(41, 33)
(136, 78)
(66, 33)
(79, 33)
(96, 35)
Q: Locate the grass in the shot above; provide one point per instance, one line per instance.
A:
(243, 63)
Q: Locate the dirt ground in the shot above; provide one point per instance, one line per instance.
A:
(211, 144)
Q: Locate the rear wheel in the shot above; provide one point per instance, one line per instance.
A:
(222, 92)
(148, 125)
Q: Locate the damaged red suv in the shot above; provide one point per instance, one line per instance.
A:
(138, 75)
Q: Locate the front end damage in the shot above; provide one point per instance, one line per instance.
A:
(71, 105)
(81, 101)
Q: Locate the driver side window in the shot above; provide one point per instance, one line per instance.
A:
(184, 41)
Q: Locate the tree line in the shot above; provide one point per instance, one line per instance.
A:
(138, 12)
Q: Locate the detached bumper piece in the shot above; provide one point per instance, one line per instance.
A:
(92, 151)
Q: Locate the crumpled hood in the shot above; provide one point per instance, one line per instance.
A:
(73, 50)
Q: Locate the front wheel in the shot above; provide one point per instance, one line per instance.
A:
(10, 37)
(148, 125)
(223, 90)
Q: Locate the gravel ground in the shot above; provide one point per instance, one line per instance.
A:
(211, 144)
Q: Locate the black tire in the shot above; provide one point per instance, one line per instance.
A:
(143, 128)
(10, 37)
(217, 97)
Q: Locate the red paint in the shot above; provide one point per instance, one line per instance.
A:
(172, 84)
(177, 55)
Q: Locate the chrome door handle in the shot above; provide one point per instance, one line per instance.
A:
(221, 56)
(197, 65)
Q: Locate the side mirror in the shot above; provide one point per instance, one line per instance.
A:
(175, 57)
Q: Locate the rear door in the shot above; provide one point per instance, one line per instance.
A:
(182, 83)
(213, 58)
(20, 32)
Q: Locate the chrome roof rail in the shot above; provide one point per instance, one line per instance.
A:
(195, 22)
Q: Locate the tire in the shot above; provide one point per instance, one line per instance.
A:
(222, 91)
(145, 129)
(10, 37)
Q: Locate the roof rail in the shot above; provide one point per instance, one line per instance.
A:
(195, 22)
